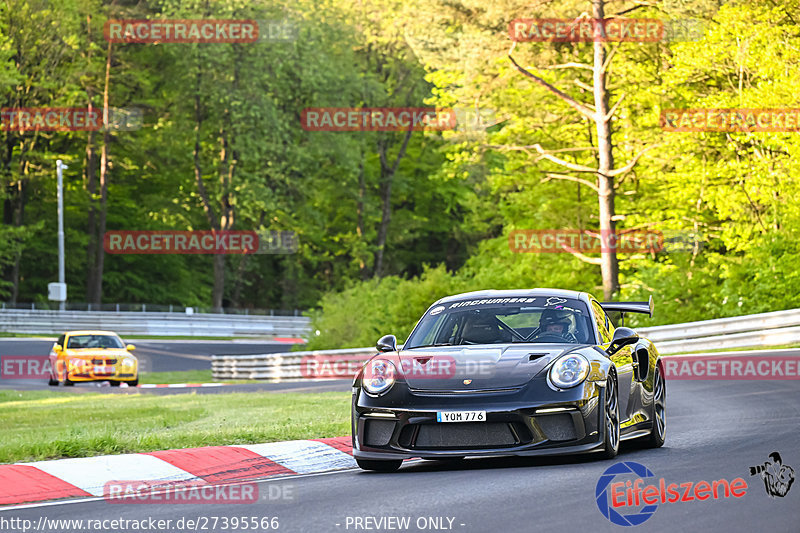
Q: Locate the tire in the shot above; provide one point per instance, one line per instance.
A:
(134, 383)
(52, 382)
(114, 383)
(611, 418)
(379, 466)
(659, 432)
(68, 383)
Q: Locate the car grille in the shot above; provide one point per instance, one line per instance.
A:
(463, 392)
(378, 432)
(464, 435)
(104, 361)
(558, 427)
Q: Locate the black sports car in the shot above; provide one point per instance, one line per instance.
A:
(513, 372)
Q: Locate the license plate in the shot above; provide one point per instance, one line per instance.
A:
(461, 416)
(103, 370)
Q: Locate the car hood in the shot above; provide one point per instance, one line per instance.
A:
(487, 366)
(98, 352)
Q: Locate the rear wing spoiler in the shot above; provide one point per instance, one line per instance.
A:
(629, 307)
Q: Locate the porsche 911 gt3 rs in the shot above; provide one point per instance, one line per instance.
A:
(512, 372)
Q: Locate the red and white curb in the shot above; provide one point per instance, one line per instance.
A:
(87, 477)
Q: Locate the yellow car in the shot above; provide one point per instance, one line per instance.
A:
(93, 356)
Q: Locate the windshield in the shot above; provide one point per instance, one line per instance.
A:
(94, 341)
(509, 320)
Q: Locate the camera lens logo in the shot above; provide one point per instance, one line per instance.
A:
(604, 501)
(778, 477)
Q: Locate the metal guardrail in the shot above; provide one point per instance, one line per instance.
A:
(139, 323)
(144, 308)
(277, 366)
(765, 329)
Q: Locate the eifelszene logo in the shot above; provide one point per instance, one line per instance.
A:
(778, 477)
(629, 502)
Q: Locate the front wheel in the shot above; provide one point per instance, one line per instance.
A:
(379, 466)
(611, 418)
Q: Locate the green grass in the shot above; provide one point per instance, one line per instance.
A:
(183, 376)
(41, 425)
(778, 347)
(197, 338)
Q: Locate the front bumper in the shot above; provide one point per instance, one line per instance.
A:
(91, 370)
(528, 421)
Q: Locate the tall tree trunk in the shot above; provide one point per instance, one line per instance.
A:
(91, 188)
(19, 218)
(362, 191)
(609, 266)
(601, 115)
(103, 211)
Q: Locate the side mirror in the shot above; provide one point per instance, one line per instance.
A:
(130, 347)
(57, 348)
(387, 343)
(622, 337)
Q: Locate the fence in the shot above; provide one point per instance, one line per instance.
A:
(147, 323)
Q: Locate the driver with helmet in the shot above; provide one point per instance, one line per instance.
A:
(555, 322)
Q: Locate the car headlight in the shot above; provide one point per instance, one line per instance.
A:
(569, 371)
(127, 362)
(379, 376)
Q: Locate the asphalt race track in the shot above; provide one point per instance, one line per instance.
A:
(160, 355)
(167, 355)
(716, 429)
